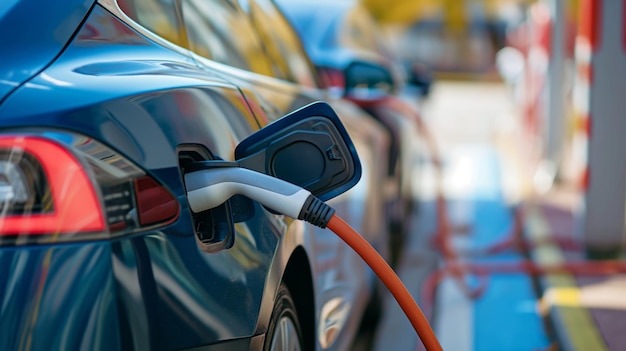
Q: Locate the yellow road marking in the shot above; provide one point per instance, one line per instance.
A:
(562, 296)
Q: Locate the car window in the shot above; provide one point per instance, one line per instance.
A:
(221, 31)
(159, 16)
(282, 43)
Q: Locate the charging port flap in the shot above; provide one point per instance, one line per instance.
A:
(309, 147)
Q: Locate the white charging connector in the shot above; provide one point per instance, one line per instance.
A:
(210, 187)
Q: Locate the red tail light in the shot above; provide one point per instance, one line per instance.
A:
(54, 186)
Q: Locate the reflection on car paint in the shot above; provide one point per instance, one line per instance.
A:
(34, 285)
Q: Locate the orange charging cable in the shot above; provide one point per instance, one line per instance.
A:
(389, 278)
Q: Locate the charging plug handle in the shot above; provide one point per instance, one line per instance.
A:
(209, 188)
(316, 212)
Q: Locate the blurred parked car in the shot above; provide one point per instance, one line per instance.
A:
(346, 46)
(104, 107)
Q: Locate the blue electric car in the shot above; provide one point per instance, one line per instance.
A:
(105, 106)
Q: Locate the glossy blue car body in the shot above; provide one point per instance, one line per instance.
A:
(72, 72)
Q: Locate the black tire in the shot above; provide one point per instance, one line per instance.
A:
(284, 332)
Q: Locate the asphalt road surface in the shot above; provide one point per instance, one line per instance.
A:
(484, 173)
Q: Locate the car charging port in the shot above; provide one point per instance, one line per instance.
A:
(213, 227)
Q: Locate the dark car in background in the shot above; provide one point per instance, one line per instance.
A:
(349, 50)
(105, 106)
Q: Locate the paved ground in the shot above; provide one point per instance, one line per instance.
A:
(484, 176)
(488, 172)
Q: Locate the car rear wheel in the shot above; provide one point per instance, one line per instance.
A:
(284, 332)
